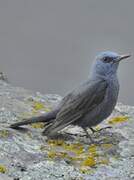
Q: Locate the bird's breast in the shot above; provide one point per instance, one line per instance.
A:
(105, 108)
(111, 94)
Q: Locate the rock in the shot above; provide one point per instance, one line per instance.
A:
(5, 177)
(3, 77)
(26, 155)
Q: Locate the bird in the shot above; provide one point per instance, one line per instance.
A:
(88, 104)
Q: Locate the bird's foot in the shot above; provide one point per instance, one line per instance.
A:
(99, 130)
(89, 137)
(92, 141)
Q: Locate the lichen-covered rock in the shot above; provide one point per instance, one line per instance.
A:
(26, 155)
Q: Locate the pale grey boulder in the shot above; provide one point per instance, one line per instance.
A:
(27, 155)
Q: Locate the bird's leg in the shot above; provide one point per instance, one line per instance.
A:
(88, 136)
(93, 130)
(91, 140)
(83, 135)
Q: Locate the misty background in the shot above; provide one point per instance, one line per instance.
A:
(49, 45)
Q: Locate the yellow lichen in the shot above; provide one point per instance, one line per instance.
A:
(90, 155)
(77, 148)
(57, 142)
(51, 154)
(3, 169)
(86, 170)
(75, 158)
(39, 106)
(54, 154)
(107, 146)
(61, 154)
(38, 125)
(4, 133)
(76, 154)
(119, 119)
(103, 161)
(93, 149)
(89, 161)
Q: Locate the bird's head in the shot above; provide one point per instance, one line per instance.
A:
(106, 63)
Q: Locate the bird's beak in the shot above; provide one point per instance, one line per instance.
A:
(121, 57)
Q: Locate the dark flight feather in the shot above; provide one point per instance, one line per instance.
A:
(76, 104)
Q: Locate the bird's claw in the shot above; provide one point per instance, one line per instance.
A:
(99, 130)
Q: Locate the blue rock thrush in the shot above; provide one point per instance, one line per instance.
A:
(90, 103)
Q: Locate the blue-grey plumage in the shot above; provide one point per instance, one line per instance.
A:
(90, 103)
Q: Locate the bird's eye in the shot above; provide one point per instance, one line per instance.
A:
(107, 59)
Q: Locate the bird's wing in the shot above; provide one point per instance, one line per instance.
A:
(76, 104)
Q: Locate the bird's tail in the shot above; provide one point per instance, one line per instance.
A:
(44, 118)
(49, 131)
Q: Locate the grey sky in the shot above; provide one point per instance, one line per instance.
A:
(48, 45)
